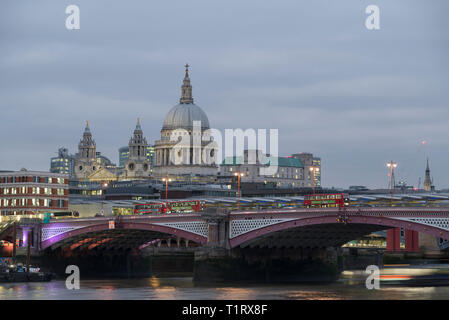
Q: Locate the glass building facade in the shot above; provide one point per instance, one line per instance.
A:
(316, 162)
(123, 154)
(64, 163)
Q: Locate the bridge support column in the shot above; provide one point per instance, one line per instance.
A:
(212, 260)
(394, 239)
(411, 241)
(212, 236)
(26, 232)
(128, 265)
(217, 235)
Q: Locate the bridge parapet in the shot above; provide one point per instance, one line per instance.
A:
(29, 221)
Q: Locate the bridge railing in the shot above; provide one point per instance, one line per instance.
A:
(7, 219)
(397, 212)
(393, 212)
(4, 219)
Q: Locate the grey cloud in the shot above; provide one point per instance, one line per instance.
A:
(310, 68)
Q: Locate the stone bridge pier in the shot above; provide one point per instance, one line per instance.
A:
(27, 236)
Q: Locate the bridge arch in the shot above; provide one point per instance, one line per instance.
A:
(387, 222)
(104, 226)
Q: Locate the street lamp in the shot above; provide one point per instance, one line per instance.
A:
(103, 185)
(238, 175)
(314, 170)
(392, 165)
(166, 180)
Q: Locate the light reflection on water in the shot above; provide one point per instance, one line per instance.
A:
(183, 288)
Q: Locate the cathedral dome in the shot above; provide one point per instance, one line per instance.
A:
(183, 115)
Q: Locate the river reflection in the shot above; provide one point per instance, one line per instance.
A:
(183, 288)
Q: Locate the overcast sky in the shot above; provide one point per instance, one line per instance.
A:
(356, 98)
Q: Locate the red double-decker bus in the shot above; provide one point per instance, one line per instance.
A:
(334, 200)
(171, 207)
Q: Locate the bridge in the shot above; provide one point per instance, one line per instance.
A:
(216, 232)
(300, 227)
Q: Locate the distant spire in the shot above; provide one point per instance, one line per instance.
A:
(187, 70)
(186, 89)
(427, 180)
(138, 127)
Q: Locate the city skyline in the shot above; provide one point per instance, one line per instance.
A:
(225, 155)
(355, 98)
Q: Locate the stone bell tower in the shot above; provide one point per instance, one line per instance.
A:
(86, 160)
(137, 165)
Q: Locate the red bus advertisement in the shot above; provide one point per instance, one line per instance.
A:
(149, 208)
(335, 200)
(171, 207)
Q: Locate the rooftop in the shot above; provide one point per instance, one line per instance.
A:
(279, 161)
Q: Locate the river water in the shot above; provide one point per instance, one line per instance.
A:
(184, 289)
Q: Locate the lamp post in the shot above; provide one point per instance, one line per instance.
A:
(392, 165)
(166, 180)
(103, 185)
(238, 175)
(313, 170)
